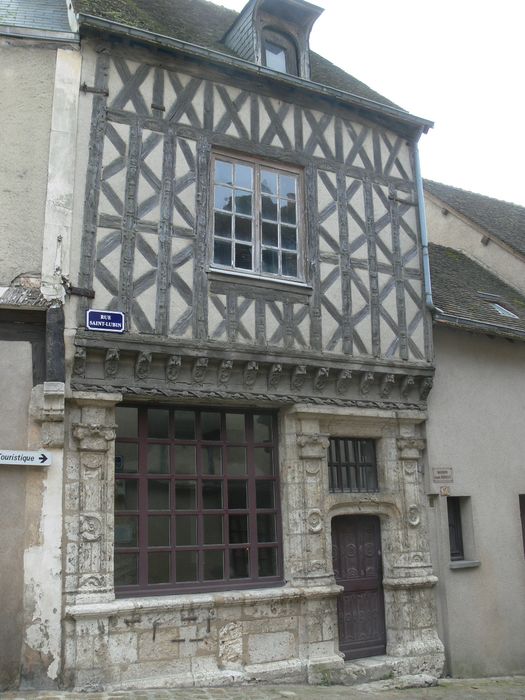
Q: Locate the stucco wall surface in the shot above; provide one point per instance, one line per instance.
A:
(451, 230)
(15, 389)
(26, 94)
(475, 427)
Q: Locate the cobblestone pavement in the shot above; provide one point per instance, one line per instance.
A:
(493, 688)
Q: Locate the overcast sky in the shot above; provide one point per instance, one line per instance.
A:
(459, 63)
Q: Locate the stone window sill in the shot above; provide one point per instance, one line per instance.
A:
(466, 564)
(259, 282)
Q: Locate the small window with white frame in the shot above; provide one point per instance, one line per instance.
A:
(256, 218)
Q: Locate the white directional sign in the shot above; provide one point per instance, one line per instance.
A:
(25, 458)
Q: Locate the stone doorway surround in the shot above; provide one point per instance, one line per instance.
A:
(281, 634)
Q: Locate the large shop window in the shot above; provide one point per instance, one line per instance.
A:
(256, 219)
(196, 500)
(352, 465)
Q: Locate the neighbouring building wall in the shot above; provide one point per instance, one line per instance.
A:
(451, 230)
(482, 616)
(26, 96)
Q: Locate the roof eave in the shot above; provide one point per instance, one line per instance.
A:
(476, 326)
(417, 124)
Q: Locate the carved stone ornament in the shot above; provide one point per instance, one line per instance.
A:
(407, 385)
(79, 362)
(224, 372)
(200, 367)
(274, 376)
(111, 362)
(342, 383)
(173, 367)
(410, 448)
(315, 521)
(321, 378)
(387, 384)
(298, 377)
(366, 382)
(91, 581)
(250, 374)
(312, 446)
(414, 516)
(425, 387)
(94, 437)
(90, 528)
(143, 365)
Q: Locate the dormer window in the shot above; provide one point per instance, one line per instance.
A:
(279, 52)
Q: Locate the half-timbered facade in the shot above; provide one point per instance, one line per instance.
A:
(243, 484)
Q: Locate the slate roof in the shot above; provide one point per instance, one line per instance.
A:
(50, 15)
(503, 220)
(204, 24)
(457, 281)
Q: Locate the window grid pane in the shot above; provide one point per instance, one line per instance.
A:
(352, 465)
(201, 511)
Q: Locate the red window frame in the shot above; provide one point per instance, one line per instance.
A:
(264, 558)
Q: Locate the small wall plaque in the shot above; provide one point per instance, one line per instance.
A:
(443, 475)
(105, 321)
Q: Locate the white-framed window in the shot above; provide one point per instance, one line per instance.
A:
(256, 218)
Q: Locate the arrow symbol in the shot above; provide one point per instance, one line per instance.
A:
(42, 459)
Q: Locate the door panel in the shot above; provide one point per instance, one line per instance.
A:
(356, 542)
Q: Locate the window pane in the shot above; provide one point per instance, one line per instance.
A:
(290, 264)
(211, 426)
(235, 427)
(269, 208)
(158, 421)
(270, 234)
(159, 530)
(185, 530)
(158, 494)
(263, 461)
(222, 253)
(158, 459)
(268, 182)
(184, 425)
(212, 495)
(366, 451)
(223, 198)
(223, 225)
(211, 460)
(265, 528)
(126, 458)
(126, 569)
(276, 57)
(237, 461)
(237, 498)
(243, 257)
(159, 567)
(289, 238)
(244, 176)
(267, 562)
(287, 212)
(213, 529)
(238, 531)
(126, 495)
(243, 229)
(239, 563)
(287, 186)
(127, 422)
(270, 261)
(262, 427)
(185, 462)
(213, 565)
(223, 172)
(126, 531)
(186, 566)
(243, 202)
(264, 494)
(185, 495)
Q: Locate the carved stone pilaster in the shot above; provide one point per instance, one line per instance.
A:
(313, 446)
(93, 437)
(410, 447)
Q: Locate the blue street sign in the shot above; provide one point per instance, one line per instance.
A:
(106, 321)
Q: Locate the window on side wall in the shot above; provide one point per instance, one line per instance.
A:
(455, 529)
(522, 515)
(279, 52)
(196, 500)
(256, 219)
(352, 465)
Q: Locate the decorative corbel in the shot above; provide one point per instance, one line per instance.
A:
(173, 367)
(224, 372)
(321, 378)
(366, 382)
(313, 445)
(387, 384)
(343, 380)
(143, 365)
(79, 362)
(200, 367)
(298, 377)
(250, 374)
(425, 387)
(274, 376)
(111, 362)
(410, 448)
(407, 385)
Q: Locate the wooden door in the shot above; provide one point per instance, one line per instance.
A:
(356, 543)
